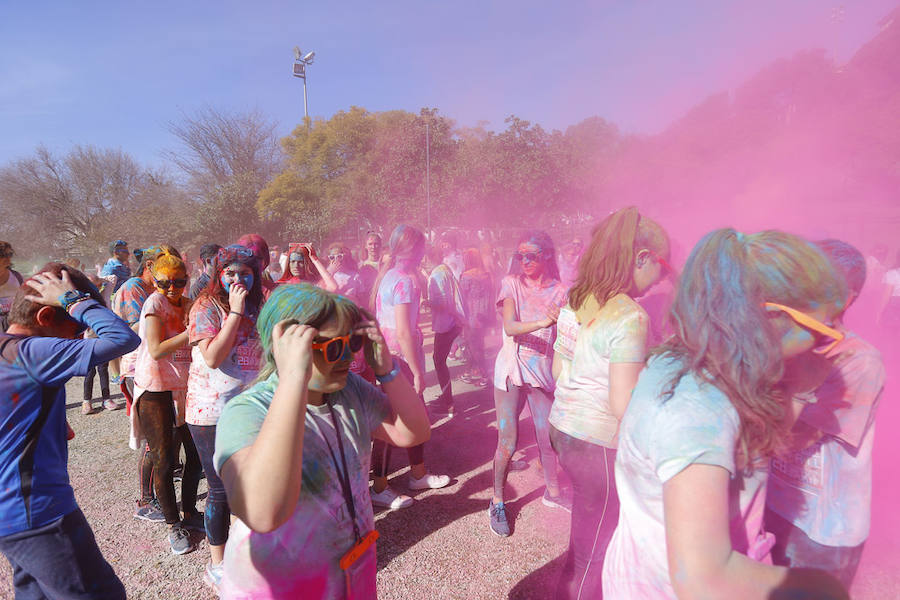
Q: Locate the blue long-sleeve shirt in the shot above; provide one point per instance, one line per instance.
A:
(34, 478)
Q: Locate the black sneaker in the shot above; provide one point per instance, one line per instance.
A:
(499, 524)
(194, 522)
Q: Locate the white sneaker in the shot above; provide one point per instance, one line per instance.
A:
(388, 498)
(429, 482)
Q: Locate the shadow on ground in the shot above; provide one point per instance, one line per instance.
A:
(540, 583)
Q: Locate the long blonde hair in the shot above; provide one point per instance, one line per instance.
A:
(607, 266)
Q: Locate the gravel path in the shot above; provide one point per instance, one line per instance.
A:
(439, 548)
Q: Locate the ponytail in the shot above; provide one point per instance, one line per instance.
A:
(723, 334)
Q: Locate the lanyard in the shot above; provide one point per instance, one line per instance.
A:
(343, 477)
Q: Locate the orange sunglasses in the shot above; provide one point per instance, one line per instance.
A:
(804, 320)
(333, 349)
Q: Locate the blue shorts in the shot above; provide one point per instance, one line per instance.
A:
(60, 560)
(793, 548)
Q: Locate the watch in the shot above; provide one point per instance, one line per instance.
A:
(389, 377)
(72, 297)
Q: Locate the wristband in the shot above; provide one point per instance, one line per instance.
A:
(234, 312)
(71, 298)
(389, 377)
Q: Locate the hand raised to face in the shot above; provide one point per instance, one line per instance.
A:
(292, 350)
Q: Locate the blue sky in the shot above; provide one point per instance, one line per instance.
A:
(113, 75)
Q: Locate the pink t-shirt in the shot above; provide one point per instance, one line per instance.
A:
(169, 373)
(209, 389)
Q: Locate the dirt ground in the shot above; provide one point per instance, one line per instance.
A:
(440, 548)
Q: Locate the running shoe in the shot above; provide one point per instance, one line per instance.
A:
(561, 501)
(180, 540)
(467, 377)
(110, 404)
(429, 482)
(86, 408)
(149, 511)
(499, 524)
(213, 575)
(388, 498)
(441, 407)
(194, 522)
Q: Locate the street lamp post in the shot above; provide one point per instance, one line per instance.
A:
(301, 61)
(428, 176)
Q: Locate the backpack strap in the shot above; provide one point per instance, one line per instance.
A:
(18, 276)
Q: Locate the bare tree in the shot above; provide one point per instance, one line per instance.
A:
(227, 159)
(77, 204)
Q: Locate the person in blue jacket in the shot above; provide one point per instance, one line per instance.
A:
(43, 532)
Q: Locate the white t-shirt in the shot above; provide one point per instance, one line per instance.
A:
(209, 389)
(616, 334)
(7, 293)
(398, 287)
(657, 440)
(892, 278)
(826, 489)
(349, 285)
(528, 359)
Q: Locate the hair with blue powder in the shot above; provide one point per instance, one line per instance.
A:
(724, 335)
(306, 304)
(848, 261)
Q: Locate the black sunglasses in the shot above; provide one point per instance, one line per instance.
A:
(529, 256)
(166, 284)
(339, 256)
(333, 349)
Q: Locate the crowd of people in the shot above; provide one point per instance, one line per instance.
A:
(732, 460)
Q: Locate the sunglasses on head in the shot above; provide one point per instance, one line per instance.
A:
(233, 252)
(165, 284)
(825, 333)
(333, 349)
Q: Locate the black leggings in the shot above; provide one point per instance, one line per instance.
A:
(381, 451)
(156, 413)
(595, 514)
(442, 344)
